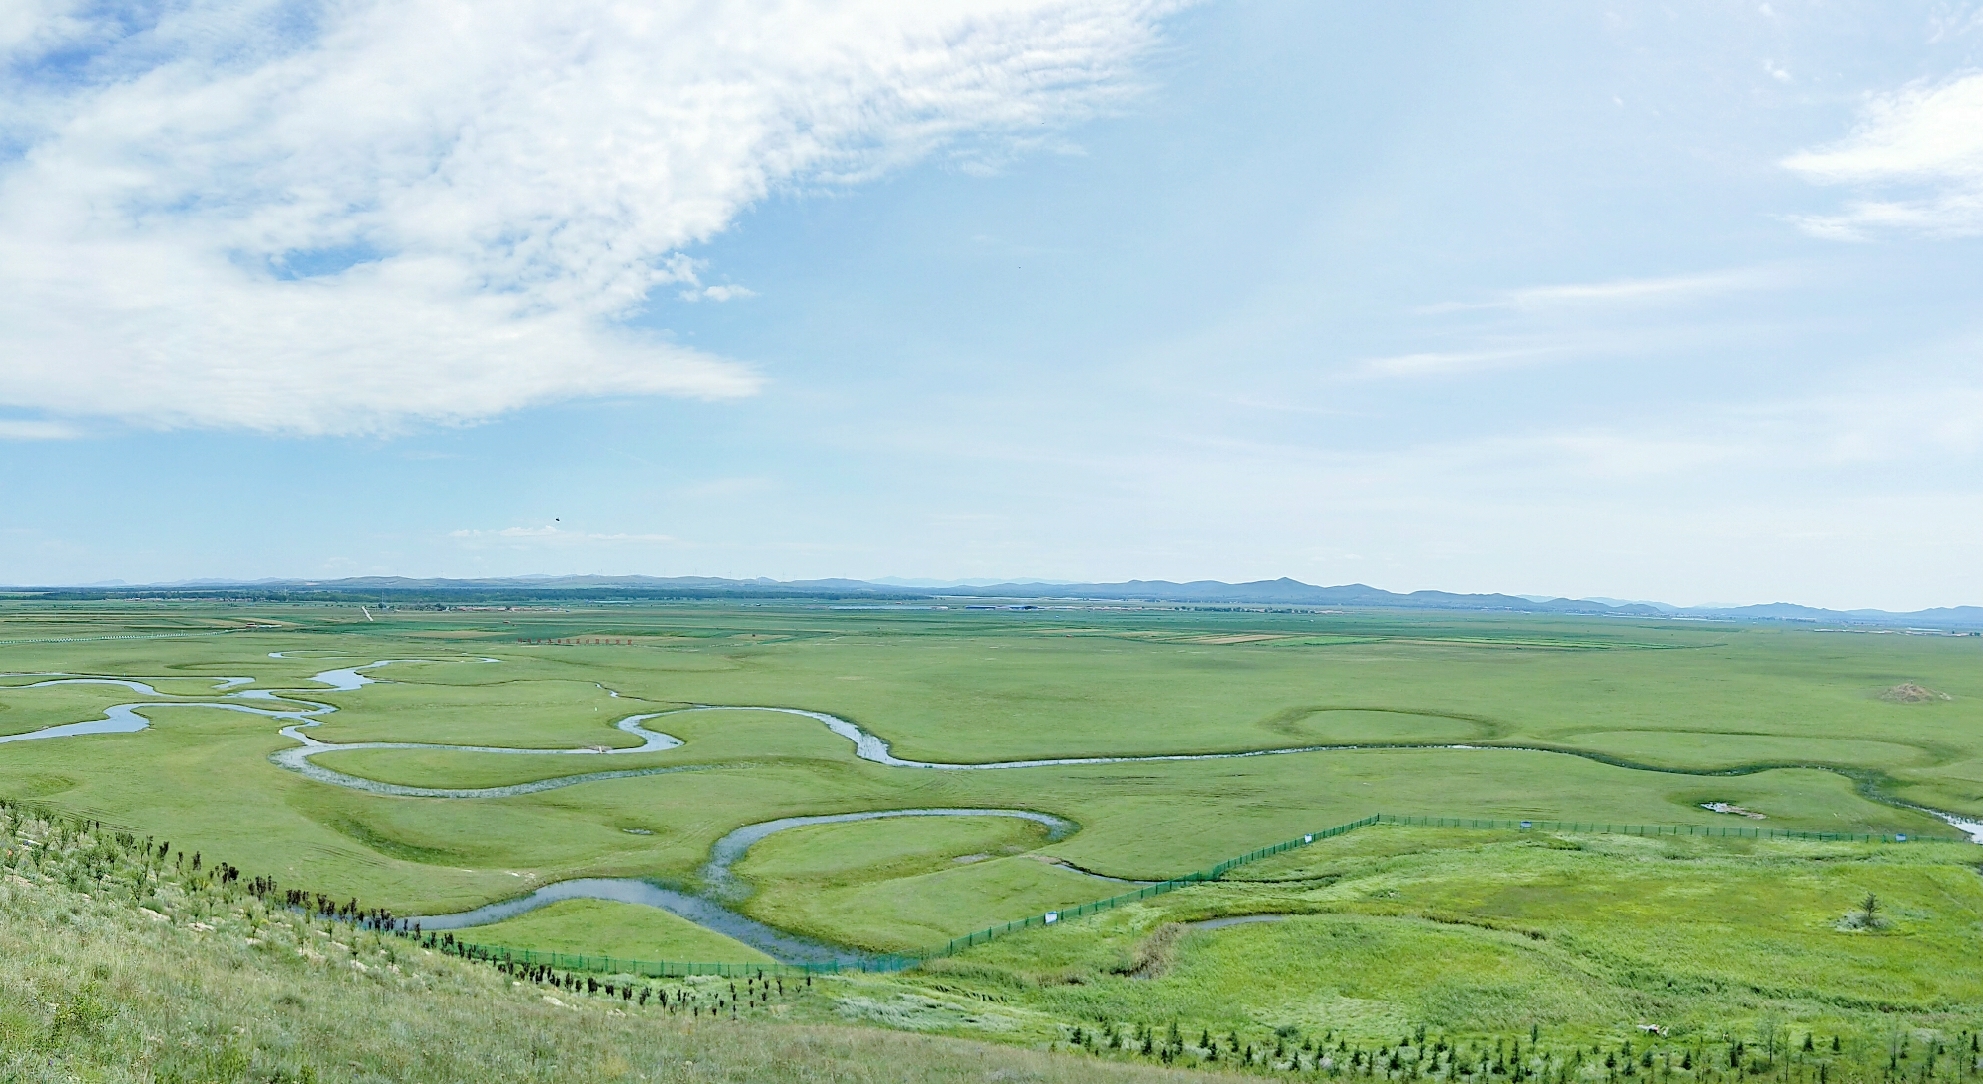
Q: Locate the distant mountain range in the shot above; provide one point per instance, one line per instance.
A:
(1283, 592)
(1290, 592)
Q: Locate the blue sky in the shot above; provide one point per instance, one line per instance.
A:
(1652, 301)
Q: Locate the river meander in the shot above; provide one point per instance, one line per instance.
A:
(712, 904)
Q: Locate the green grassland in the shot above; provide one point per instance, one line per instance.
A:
(34, 709)
(599, 927)
(425, 702)
(902, 885)
(1477, 932)
(1402, 953)
(208, 984)
(1443, 947)
(1637, 711)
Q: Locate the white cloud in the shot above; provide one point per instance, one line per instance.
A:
(29, 429)
(1923, 147)
(687, 270)
(1953, 22)
(30, 27)
(427, 210)
(1665, 288)
(718, 293)
(1446, 363)
(1534, 325)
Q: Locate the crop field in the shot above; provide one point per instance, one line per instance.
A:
(1373, 935)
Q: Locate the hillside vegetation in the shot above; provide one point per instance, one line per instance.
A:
(1392, 954)
(1437, 946)
(123, 967)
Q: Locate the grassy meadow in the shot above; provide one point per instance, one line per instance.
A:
(1798, 712)
(1479, 934)
(603, 927)
(1395, 953)
(906, 884)
(1483, 939)
(127, 968)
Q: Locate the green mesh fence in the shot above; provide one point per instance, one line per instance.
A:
(666, 969)
(899, 962)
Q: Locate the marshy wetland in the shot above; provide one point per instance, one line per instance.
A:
(876, 781)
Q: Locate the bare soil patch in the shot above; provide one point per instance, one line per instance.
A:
(1908, 692)
(1731, 808)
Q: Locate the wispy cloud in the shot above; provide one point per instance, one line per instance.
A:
(1558, 322)
(1657, 289)
(1953, 22)
(37, 430)
(1437, 363)
(717, 293)
(1921, 149)
(398, 215)
(685, 269)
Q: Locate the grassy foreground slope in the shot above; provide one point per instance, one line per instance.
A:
(118, 969)
(1396, 954)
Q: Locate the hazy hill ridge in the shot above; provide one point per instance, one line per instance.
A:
(1280, 592)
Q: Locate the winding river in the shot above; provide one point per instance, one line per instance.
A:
(713, 906)
(124, 719)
